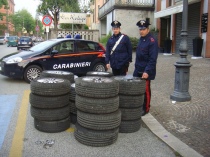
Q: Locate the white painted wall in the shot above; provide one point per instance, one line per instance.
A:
(108, 22)
(205, 10)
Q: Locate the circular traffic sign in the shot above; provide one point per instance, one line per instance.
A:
(47, 20)
(37, 28)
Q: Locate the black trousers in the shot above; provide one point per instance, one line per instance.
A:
(120, 72)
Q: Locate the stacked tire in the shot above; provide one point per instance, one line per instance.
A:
(99, 74)
(131, 98)
(98, 114)
(49, 99)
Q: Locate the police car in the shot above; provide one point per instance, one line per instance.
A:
(73, 55)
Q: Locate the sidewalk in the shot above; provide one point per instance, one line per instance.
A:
(188, 121)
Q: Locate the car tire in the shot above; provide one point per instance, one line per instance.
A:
(32, 72)
(127, 101)
(99, 73)
(52, 126)
(73, 108)
(92, 105)
(99, 67)
(97, 87)
(99, 121)
(131, 114)
(50, 86)
(48, 102)
(58, 74)
(72, 95)
(50, 114)
(95, 138)
(130, 126)
(131, 86)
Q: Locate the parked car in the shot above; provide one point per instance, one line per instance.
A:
(12, 41)
(2, 41)
(24, 43)
(73, 55)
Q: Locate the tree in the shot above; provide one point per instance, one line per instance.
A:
(23, 20)
(3, 3)
(54, 7)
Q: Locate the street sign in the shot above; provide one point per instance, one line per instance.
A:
(47, 20)
(37, 28)
(74, 18)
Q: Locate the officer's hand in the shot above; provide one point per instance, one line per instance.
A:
(145, 76)
(108, 66)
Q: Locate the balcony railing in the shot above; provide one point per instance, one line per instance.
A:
(111, 4)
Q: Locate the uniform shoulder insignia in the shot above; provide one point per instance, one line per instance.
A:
(152, 39)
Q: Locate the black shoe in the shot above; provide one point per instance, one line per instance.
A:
(144, 113)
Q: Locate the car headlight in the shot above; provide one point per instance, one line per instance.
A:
(14, 60)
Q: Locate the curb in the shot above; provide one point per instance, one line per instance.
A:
(172, 141)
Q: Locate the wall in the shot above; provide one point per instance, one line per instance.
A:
(109, 18)
(129, 24)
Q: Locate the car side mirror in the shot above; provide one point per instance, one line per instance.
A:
(54, 52)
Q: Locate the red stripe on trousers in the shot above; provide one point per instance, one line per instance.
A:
(147, 96)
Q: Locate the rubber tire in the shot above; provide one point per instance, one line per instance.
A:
(52, 126)
(99, 121)
(92, 105)
(130, 126)
(131, 86)
(95, 138)
(97, 90)
(72, 95)
(50, 114)
(73, 118)
(27, 69)
(69, 76)
(127, 101)
(131, 114)
(98, 73)
(73, 108)
(94, 68)
(48, 102)
(50, 89)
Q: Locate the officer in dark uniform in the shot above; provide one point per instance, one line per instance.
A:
(120, 58)
(146, 59)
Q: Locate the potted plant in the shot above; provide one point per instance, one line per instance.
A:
(197, 46)
(167, 45)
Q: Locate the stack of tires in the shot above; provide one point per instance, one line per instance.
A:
(131, 98)
(99, 74)
(49, 99)
(98, 114)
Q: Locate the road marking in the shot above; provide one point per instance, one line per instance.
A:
(7, 106)
(17, 142)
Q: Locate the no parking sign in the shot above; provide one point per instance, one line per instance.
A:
(47, 20)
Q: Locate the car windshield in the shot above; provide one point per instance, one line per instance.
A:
(1, 37)
(43, 45)
(12, 38)
(24, 39)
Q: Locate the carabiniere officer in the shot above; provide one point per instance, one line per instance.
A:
(121, 56)
(146, 59)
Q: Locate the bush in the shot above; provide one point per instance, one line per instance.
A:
(104, 40)
(134, 42)
(86, 27)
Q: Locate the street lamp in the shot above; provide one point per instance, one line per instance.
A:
(182, 73)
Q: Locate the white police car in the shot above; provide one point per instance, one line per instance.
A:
(73, 55)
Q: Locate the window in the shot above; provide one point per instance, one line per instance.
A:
(64, 47)
(83, 46)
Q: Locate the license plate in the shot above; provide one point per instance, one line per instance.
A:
(24, 42)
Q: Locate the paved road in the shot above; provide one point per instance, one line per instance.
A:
(22, 139)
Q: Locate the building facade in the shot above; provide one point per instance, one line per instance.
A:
(168, 18)
(7, 27)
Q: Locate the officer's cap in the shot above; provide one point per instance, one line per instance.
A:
(142, 24)
(115, 24)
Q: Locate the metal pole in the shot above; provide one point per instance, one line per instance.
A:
(182, 72)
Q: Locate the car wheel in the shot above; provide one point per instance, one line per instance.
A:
(52, 126)
(99, 121)
(50, 86)
(95, 138)
(99, 67)
(97, 87)
(130, 126)
(98, 106)
(32, 72)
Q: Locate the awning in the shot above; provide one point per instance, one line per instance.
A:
(173, 10)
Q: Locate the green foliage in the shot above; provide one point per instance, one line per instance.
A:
(104, 40)
(5, 4)
(86, 27)
(134, 42)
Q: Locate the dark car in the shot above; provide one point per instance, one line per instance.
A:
(24, 43)
(73, 55)
(12, 41)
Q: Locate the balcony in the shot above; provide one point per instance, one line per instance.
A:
(128, 4)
